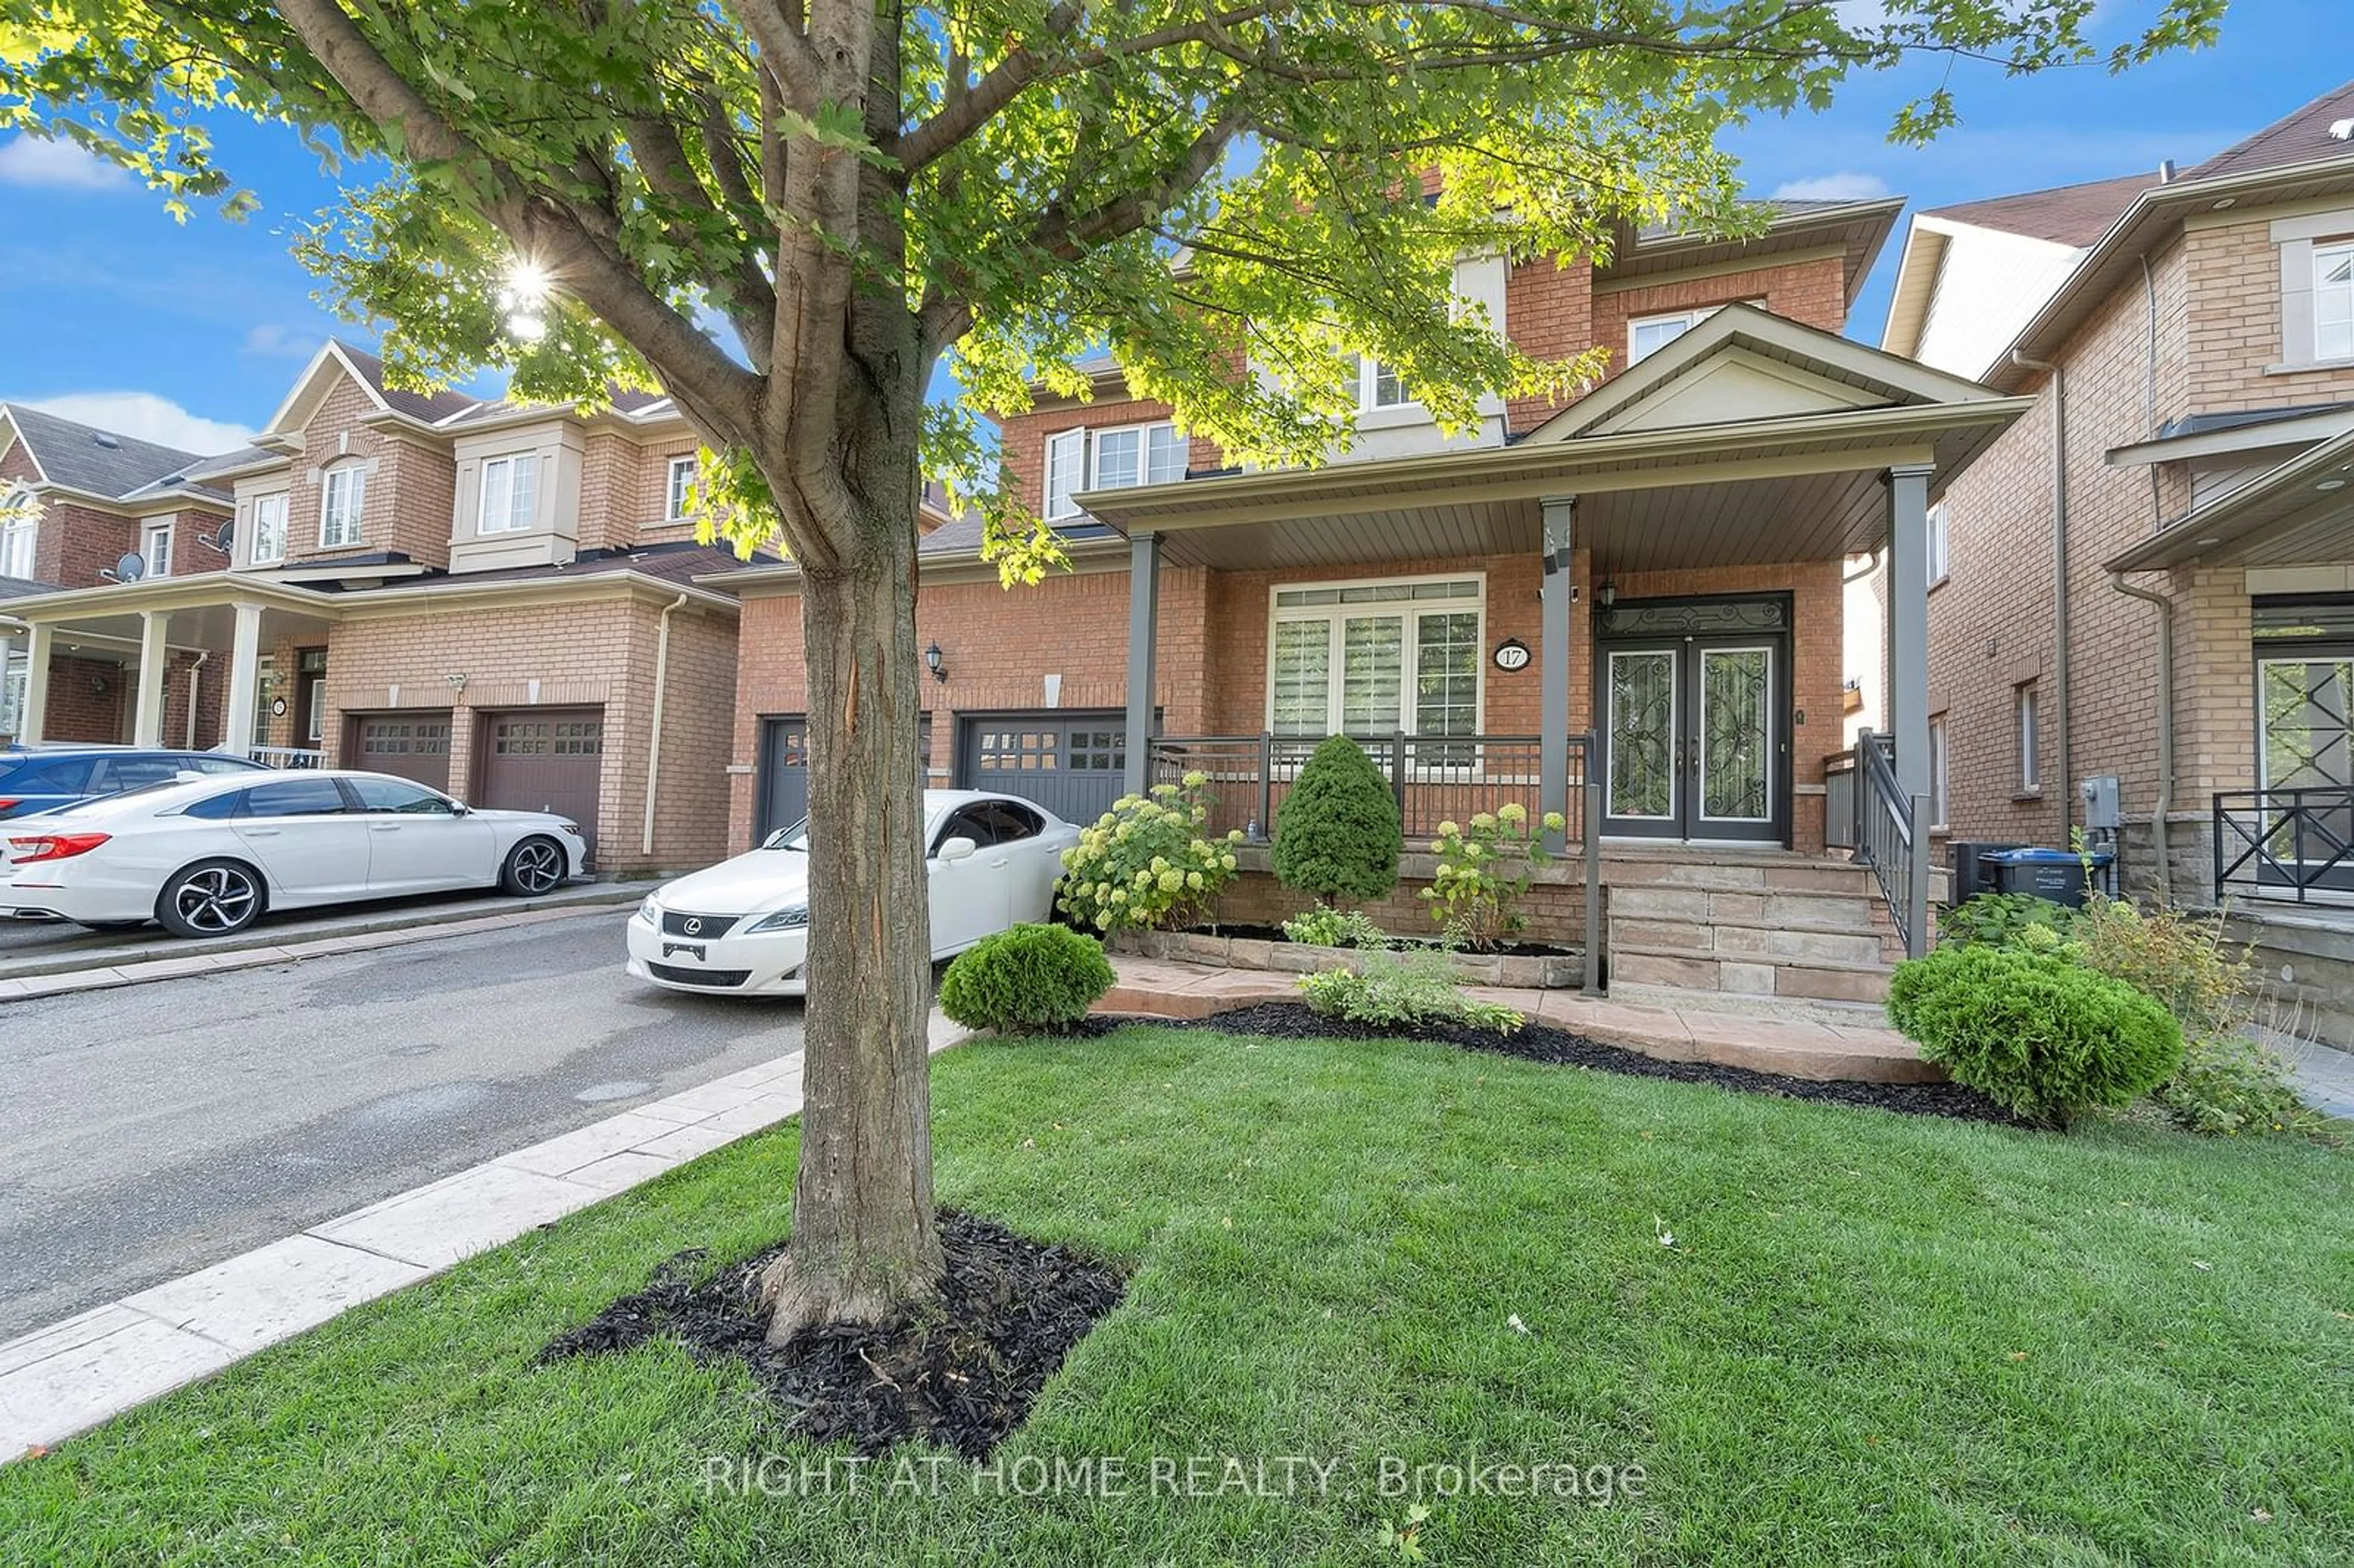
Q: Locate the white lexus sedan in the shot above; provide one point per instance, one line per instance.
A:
(742, 926)
(206, 857)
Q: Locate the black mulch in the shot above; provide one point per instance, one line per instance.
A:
(1543, 1043)
(1397, 944)
(961, 1376)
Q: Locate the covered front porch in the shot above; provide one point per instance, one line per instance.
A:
(1632, 617)
(215, 662)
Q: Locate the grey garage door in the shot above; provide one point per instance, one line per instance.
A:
(1070, 763)
(411, 743)
(543, 760)
(784, 779)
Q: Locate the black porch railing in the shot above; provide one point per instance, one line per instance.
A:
(1435, 779)
(2286, 843)
(1844, 797)
(1891, 836)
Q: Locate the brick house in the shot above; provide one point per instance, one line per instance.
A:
(2152, 577)
(493, 599)
(1643, 588)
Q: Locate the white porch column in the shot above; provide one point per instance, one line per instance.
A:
(37, 683)
(1907, 717)
(147, 719)
(244, 675)
(7, 655)
(1553, 651)
(1143, 628)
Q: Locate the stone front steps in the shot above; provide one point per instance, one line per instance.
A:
(1753, 931)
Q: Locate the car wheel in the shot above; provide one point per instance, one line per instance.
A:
(211, 898)
(533, 867)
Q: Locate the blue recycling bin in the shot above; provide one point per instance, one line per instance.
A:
(2049, 873)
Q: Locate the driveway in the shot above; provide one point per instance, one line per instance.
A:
(151, 1131)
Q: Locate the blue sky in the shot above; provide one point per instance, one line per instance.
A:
(192, 334)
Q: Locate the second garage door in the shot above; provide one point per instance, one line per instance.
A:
(1070, 763)
(543, 760)
(410, 744)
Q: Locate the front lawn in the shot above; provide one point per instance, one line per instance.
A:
(1825, 1335)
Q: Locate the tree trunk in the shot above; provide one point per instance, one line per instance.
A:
(863, 1247)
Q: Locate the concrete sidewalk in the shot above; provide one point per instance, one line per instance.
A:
(1795, 1048)
(70, 1376)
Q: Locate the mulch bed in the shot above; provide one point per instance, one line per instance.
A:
(1397, 944)
(1541, 1043)
(961, 1376)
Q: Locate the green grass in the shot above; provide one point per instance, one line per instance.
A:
(1875, 1338)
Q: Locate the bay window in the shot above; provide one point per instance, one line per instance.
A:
(1119, 458)
(1370, 659)
(510, 492)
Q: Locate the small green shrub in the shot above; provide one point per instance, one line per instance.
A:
(2179, 960)
(1026, 980)
(1325, 927)
(2004, 920)
(1149, 863)
(1482, 872)
(1337, 833)
(2229, 1084)
(1403, 990)
(2033, 1032)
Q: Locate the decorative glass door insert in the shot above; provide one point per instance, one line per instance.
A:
(1643, 714)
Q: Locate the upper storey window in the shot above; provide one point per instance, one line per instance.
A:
(1376, 384)
(2333, 300)
(678, 489)
(1117, 458)
(269, 529)
(1645, 335)
(510, 494)
(343, 494)
(16, 535)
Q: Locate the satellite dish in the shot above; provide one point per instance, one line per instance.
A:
(223, 536)
(131, 567)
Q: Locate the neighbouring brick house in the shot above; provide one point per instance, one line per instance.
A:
(497, 599)
(1643, 588)
(2189, 629)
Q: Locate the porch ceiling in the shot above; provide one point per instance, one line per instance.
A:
(199, 612)
(2300, 511)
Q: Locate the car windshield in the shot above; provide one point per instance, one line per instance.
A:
(793, 838)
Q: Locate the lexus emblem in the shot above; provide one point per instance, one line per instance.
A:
(694, 925)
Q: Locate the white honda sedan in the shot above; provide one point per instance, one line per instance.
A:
(206, 857)
(742, 927)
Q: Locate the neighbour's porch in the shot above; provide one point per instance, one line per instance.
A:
(1653, 579)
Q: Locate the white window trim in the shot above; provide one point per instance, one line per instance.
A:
(1368, 378)
(253, 528)
(1940, 794)
(2026, 723)
(27, 529)
(1335, 675)
(1089, 438)
(1940, 544)
(1689, 319)
(2336, 245)
(356, 477)
(507, 463)
(159, 563)
(674, 493)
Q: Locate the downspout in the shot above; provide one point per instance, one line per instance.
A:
(2067, 790)
(2165, 802)
(195, 688)
(653, 749)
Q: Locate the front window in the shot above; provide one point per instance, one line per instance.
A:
(19, 529)
(1937, 772)
(1370, 659)
(158, 549)
(2031, 768)
(2333, 300)
(269, 530)
(678, 489)
(1117, 458)
(1937, 543)
(344, 491)
(510, 492)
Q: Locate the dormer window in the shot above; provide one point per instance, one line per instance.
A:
(2333, 300)
(510, 494)
(269, 530)
(677, 489)
(343, 494)
(156, 545)
(1117, 458)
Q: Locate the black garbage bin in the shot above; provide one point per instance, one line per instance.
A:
(2054, 875)
(1972, 876)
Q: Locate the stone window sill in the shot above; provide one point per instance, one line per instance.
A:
(2025, 797)
(2309, 367)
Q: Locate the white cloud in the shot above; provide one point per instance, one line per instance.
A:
(273, 341)
(145, 417)
(1843, 186)
(31, 161)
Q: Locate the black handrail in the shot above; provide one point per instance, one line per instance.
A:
(2273, 843)
(1889, 838)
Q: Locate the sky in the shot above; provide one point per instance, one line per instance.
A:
(191, 335)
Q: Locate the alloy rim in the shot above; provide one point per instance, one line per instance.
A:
(535, 869)
(215, 900)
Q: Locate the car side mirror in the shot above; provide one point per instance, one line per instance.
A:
(957, 849)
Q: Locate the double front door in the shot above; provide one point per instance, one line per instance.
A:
(1696, 743)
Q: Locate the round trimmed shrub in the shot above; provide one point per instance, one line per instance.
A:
(1026, 980)
(1337, 833)
(2034, 1031)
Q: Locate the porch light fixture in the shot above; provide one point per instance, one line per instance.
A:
(935, 663)
(1607, 594)
(457, 683)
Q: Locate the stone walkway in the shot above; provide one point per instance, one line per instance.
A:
(2322, 1075)
(1796, 1048)
(69, 1377)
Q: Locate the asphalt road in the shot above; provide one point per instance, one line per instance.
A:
(150, 1131)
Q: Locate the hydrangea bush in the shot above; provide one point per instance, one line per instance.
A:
(1149, 863)
(1483, 870)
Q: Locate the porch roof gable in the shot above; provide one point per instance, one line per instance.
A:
(2299, 511)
